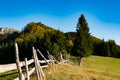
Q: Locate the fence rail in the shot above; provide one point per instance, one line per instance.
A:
(37, 68)
(33, 69)
(12, 66)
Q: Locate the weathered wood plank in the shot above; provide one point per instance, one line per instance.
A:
(17, 62)
(12, 66)
(26, 67)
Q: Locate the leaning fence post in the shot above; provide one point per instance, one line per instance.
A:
(36, 68)
(26, 66)
(42, 76)
(51, 60)
(43, 57)
(18, 62)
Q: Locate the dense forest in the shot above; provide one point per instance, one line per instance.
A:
(45, 39)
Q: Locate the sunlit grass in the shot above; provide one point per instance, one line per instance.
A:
(9, 75)
(103, 66)
(93, 68)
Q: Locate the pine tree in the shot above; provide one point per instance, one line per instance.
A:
(82, 43)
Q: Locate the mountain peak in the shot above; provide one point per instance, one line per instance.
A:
(6, 30)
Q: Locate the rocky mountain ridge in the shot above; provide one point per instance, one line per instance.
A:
(6, 30)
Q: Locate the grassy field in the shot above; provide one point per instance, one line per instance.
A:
(93, 68)
(9, 75)
(106, 68)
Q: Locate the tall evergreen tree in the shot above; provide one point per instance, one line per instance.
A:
(82, 43)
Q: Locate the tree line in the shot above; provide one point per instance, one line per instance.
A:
(80, 43)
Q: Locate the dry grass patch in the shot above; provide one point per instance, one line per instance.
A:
(93, 68)
(69, 72)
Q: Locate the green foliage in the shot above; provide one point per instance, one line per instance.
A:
(41, 37)
(82, 43)
(69, 41)
(106, 48)
(45, 39)
(55, 50)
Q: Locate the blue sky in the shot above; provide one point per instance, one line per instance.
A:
(103, 16)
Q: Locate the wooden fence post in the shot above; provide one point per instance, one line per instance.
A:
(51, 60)
(42, 76)
(49, 55)
(61, 57)
(43, 57)
(26, 66)
(36, 68)
(69, 57)
(18, 62)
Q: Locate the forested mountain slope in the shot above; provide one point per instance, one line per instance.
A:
(46, 39)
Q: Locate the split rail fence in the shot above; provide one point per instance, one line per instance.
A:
(37, 68)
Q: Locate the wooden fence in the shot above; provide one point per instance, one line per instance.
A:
(37, 68)
(12, 66)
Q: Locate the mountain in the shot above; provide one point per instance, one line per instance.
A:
(5, 30)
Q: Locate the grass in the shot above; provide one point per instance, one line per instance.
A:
(93, 68)
(103, 67)
(9, 75)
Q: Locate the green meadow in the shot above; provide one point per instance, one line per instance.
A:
(92, 68)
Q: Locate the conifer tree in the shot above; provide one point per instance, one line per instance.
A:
(82, 43)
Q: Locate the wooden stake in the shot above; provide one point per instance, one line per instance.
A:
(49, 55)
(36, 68)
(42, 76)
(18, 62)
(43, 57)
(26, 66)
(61, 57)
(51, 60)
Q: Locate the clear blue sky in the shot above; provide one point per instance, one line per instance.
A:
(103, 16)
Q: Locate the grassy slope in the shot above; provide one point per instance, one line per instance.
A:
(93, 68)
(102, 67)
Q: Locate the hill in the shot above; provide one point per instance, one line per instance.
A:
(34, 34)
(46, 39)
